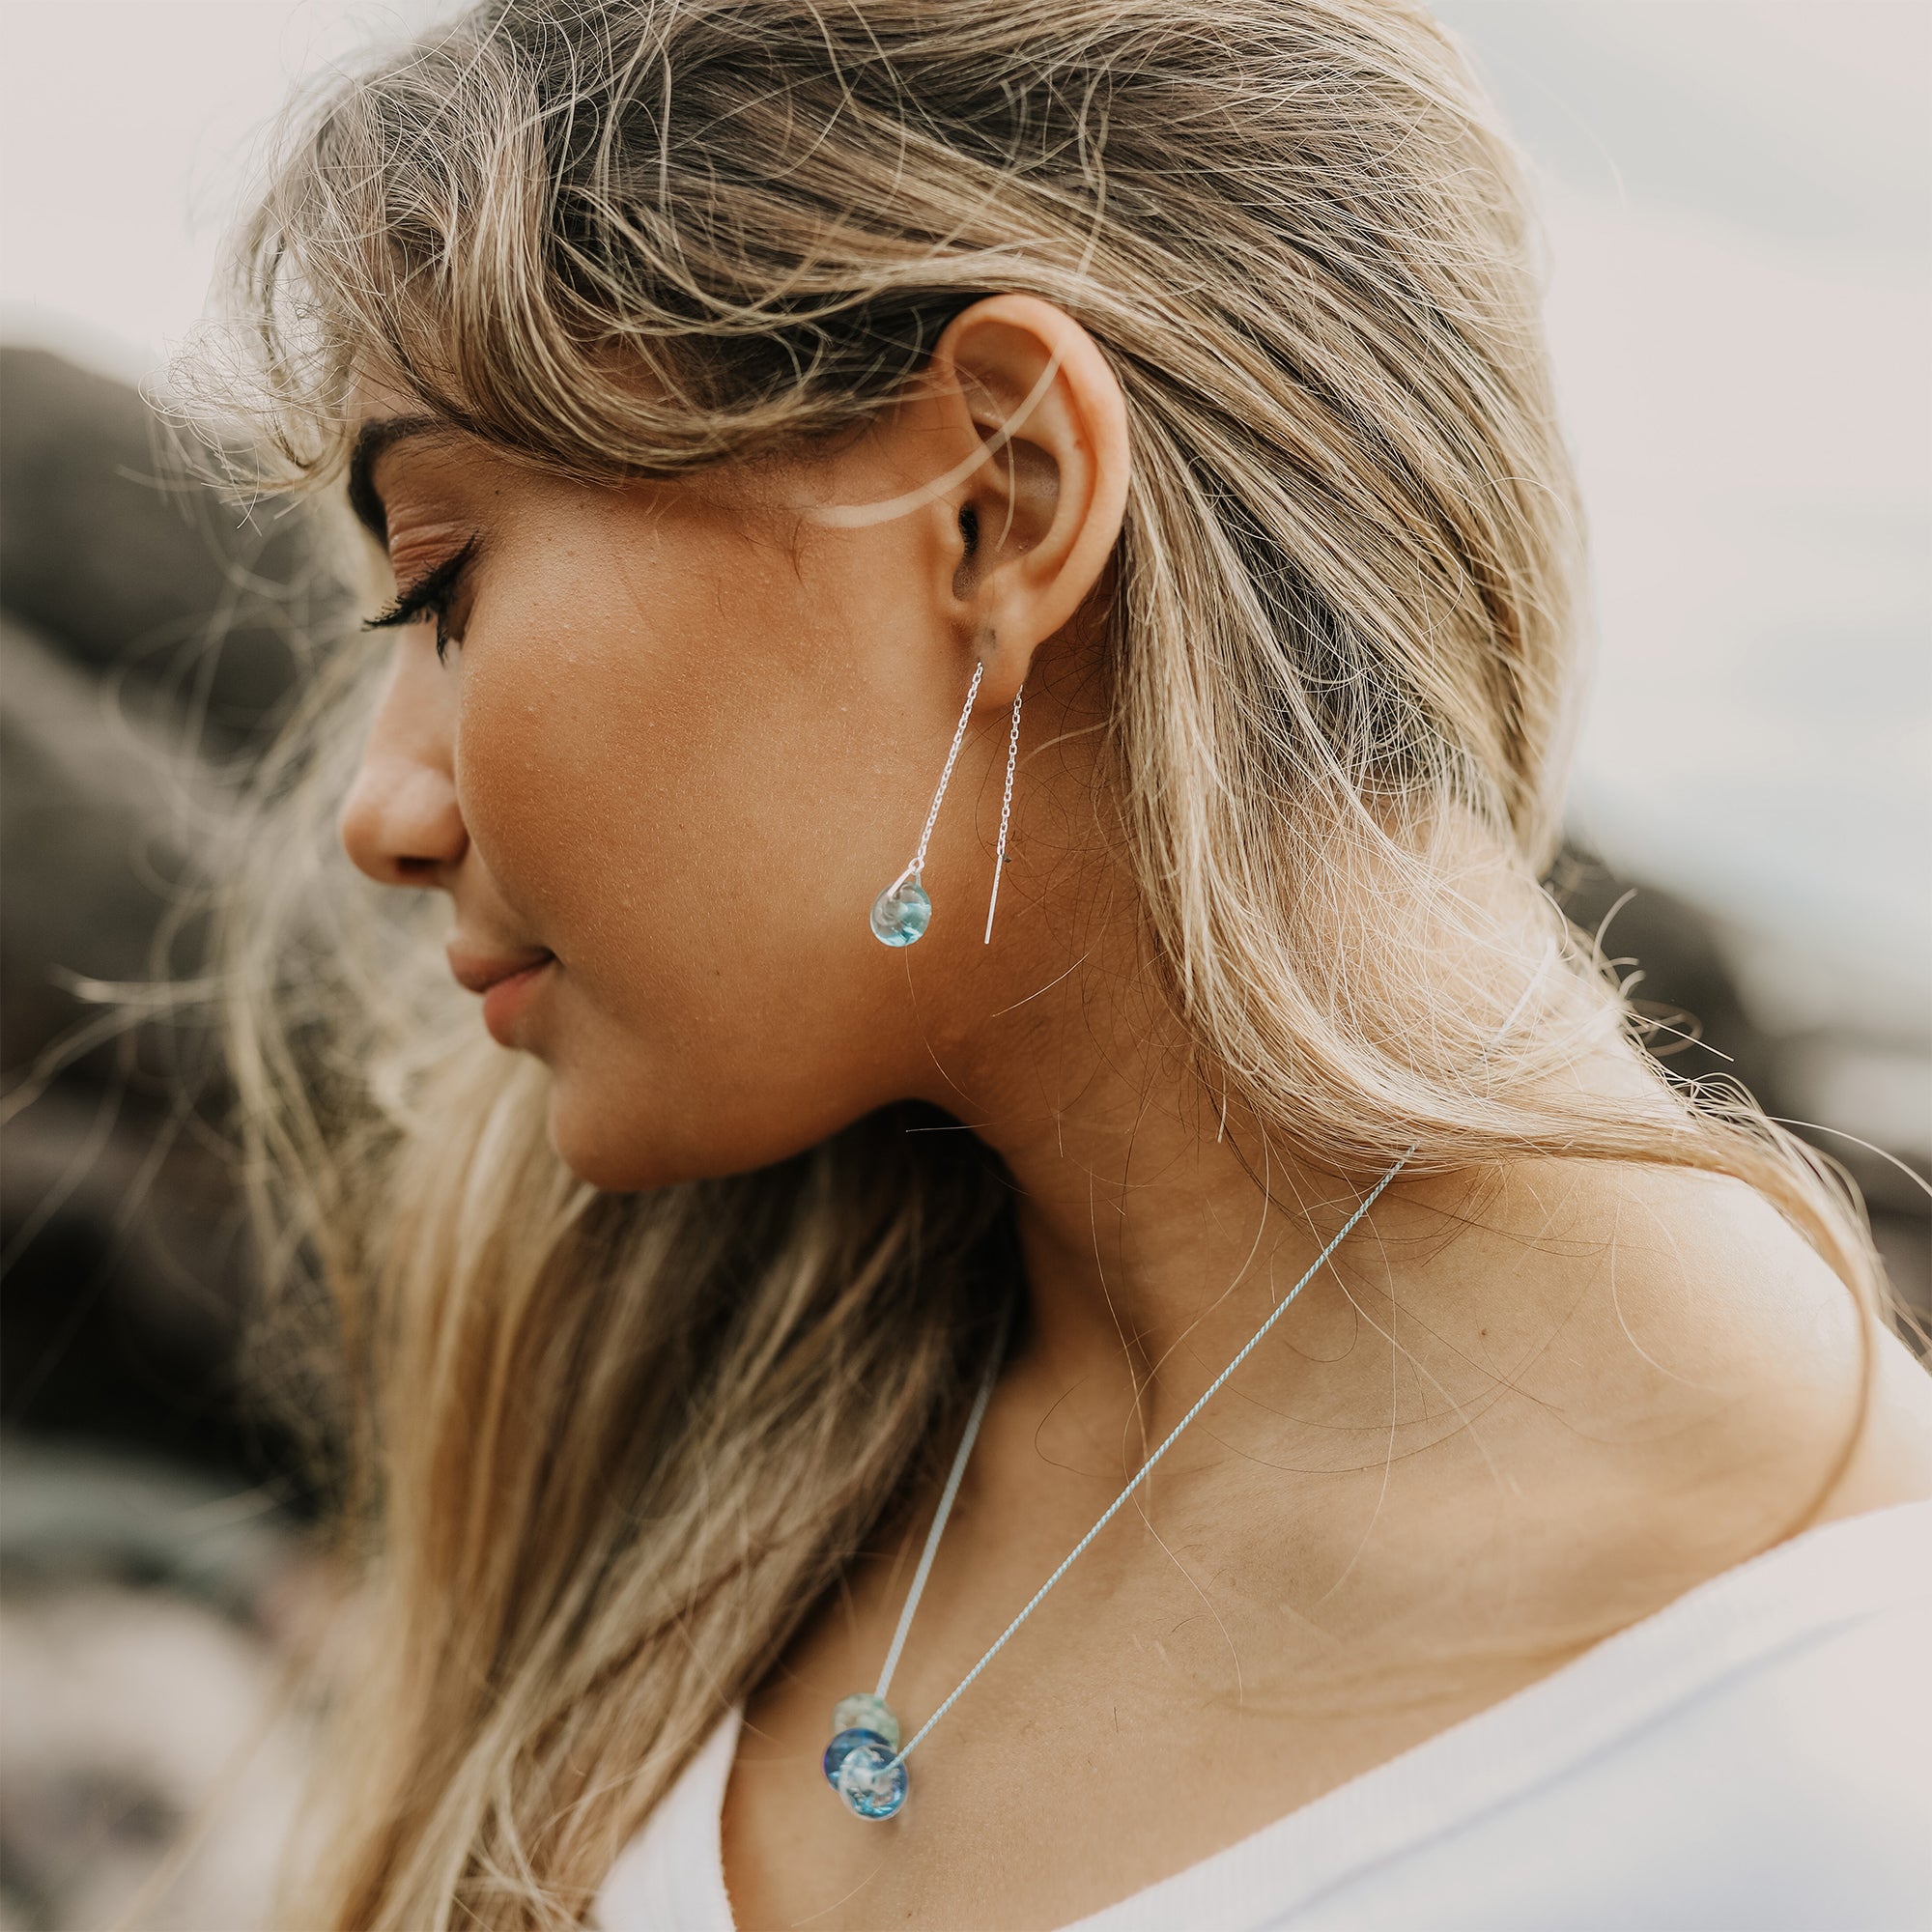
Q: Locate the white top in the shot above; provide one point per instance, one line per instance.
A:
(1754, 1757)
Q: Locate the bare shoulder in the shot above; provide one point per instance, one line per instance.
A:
(1680, 1370)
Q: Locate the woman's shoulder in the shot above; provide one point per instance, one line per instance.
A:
(1680, 1383)
(1786, 1373)
(1681, 1311)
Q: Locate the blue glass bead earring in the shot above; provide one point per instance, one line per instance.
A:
(902, 912)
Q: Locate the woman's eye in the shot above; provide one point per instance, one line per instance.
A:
(431, 595)
(438, 608)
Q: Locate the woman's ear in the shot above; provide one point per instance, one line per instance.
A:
(1038, 515)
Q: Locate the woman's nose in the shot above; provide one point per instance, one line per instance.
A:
(401, 823)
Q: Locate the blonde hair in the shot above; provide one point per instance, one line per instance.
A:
(605, 1452)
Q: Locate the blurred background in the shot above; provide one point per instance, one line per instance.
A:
(1737, 200)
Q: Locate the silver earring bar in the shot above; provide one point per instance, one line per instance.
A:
(1005, 815)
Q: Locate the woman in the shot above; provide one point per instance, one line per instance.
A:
(1071, 493)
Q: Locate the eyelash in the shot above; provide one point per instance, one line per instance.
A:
(430, 595)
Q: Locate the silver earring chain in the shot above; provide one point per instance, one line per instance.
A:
(913, 870)
(1006, 815)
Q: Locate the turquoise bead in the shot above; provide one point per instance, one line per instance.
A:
(866, 1711)
(901, 913)
(870, 1783)
(844, 1745)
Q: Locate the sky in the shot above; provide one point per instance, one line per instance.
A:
(1738, 202)
(1737, 206)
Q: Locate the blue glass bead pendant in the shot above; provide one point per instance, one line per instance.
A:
(863, 1762)
(859, 1760)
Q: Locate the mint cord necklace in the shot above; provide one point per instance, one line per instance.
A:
(864, 1762)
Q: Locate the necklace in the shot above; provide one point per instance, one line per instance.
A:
(864, 1762)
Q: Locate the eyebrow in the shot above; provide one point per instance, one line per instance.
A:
(371, 442)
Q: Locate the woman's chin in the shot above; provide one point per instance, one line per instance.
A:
(612, 1159)
(626, 1151)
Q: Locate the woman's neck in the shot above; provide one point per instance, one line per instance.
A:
(1159, 1228)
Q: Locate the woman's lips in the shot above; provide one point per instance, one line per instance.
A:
(504, 1002)
(506, 981)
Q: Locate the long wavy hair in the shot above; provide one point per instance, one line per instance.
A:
(603, 1453)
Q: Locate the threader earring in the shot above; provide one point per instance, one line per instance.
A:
(901, 913)
(1006, 814)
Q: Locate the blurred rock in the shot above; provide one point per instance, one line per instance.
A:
(105, 545)
(136, 658)
(144, 1616)
(128, 1297)
(98, 814)
(1863, 1099)
(1677, 975)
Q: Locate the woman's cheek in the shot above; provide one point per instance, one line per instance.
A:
(533, 783)
(594, 794)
